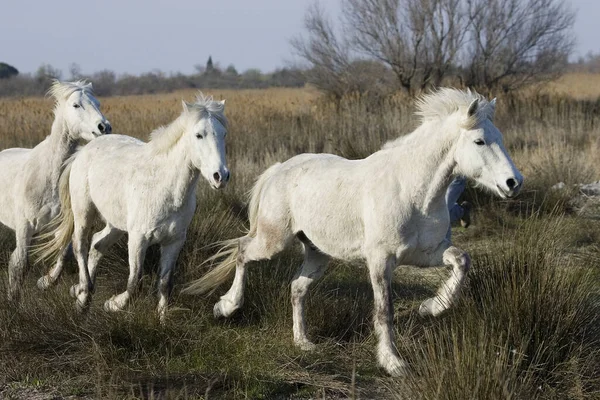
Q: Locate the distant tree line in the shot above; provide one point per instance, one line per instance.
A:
(413, 45)
(589, 63)
(108, 83)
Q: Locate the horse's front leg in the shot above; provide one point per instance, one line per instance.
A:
(18, 261)
(137, 246)
(448, 293)
(380, 272)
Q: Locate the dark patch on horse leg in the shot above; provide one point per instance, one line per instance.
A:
(304, 239)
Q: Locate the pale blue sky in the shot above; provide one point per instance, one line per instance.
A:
(129, 36)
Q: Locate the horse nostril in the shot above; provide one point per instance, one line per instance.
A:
(108, 128)
(217, 177)
(511, 183)
(227, 176)
(101, 127)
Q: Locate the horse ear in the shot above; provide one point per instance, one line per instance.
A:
(493, 106)
(186, 106)
(222, 102)
(473, 108)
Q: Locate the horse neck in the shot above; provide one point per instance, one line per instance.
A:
(434, 162)
(60, 147)
(180, 175)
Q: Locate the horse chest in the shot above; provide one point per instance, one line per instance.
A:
(172, 227)
(163, 220)
(422, 236)
(40, 203)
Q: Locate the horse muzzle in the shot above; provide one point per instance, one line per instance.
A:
(511, 187)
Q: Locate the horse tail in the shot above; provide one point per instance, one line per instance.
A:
(59, 231)
(228, 252)
(229, 249)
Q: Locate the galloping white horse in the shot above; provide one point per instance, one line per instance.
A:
(147, 190)
(29, 178)
(388, 209)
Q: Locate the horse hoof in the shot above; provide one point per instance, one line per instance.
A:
(82, 306)
(217, 312)
(431, 307)
(306, 345)
(43, 283)
(162, 318)
(396, 368)
(114, 304)
(74, 290)
(109, 305)
(223, 309)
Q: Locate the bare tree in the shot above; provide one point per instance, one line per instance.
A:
(487, 43)
(328, 57)
(418, 39)
(516, 42)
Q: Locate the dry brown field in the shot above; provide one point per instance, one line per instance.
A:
(527, 326)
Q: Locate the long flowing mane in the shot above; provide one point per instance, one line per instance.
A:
(445, 102)
(164, 138)
(62, 90)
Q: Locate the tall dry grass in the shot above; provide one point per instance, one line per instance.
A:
(526, 327)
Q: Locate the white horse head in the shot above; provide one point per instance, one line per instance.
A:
(206, 128)
(79, 110)
(479, 151)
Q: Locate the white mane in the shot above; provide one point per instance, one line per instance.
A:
(164, 138)
(447, 101)
(207, 107)
(444, 102)
(62, 90)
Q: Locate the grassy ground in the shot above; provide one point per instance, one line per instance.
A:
(527, 326)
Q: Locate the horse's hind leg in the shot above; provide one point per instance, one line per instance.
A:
(81, 233)
(312, 268)
(52, 276)
(269, 240)
(18, 261)
(448, 293)
(168, 257)
(137, 246)
(101, 242)
(234, 298)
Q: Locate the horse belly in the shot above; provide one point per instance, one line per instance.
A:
(325, 205)
(338, 243)
(333, 227)
(107, 198)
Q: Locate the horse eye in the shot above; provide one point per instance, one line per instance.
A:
(76, 105)
(198, 136)
(479, 142)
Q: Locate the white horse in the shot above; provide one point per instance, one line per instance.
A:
(388, 209)
(29, 177)
(147, 190)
